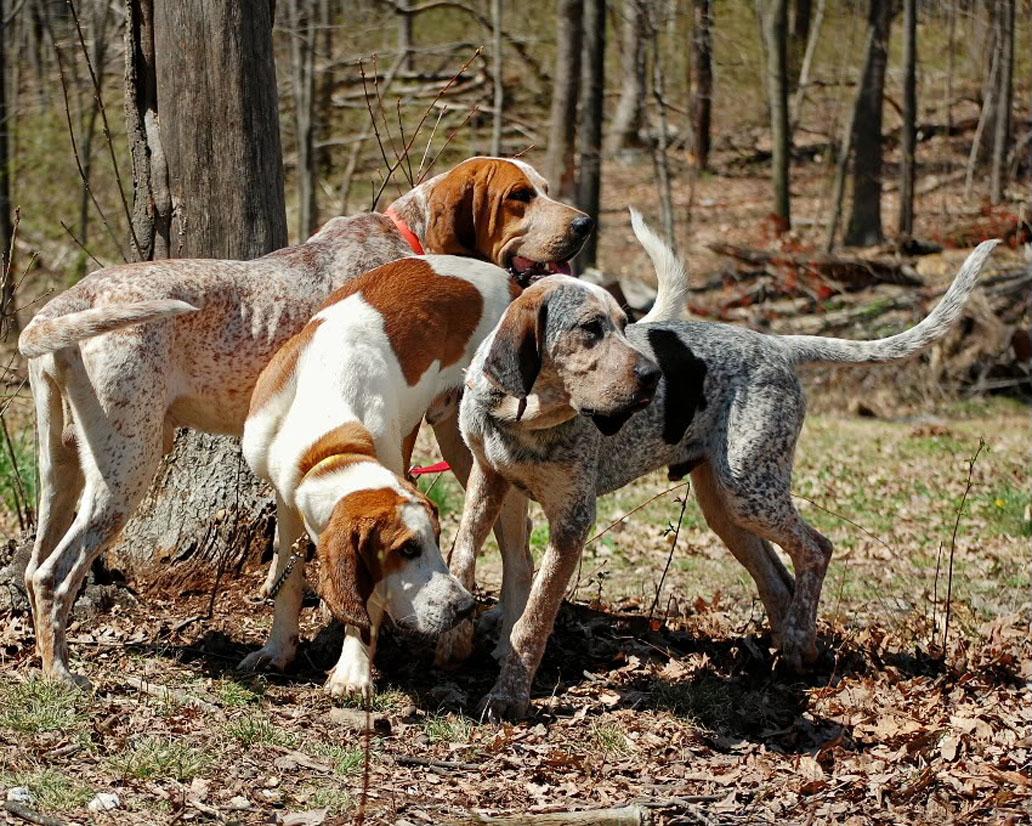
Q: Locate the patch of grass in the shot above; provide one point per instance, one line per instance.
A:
(610, 739)
(333, 798)
(446, 493)
(37, 705)
(17, 474)
(256, 730)
(344, 760)
(704, 699)
(539, 535)
(52, 790)
(232, 694)
(1006, 509)
(448, 728)
(390, 699)
(158, 758)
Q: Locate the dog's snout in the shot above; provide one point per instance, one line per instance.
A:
(647, 374)
(465, 609)
(582, 226)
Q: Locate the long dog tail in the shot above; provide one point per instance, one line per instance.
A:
(807, 349)
(48, 335)
(671, 275)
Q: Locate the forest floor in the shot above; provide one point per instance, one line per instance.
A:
(688, 713)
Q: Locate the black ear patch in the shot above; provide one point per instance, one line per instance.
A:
(684, 377)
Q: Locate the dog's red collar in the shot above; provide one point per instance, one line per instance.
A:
(440, 467)
(406, 232)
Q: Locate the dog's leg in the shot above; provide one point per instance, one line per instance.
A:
(281, 647)
(353, 673)
(773, 581)
(569, 523)
(60, 474)
(485, 491)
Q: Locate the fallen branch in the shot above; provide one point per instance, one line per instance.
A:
(165, 693)
(454, 765)
(27, 814)
(625, 816)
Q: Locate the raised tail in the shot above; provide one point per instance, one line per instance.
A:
(47, 335)
(671, 275)
(806, 349)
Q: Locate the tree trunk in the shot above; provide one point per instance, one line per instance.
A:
(561, 163)
(865, 225)
(701, 82)
(623, 131)
(405, 20)
(593, 81)
(1005, 99)
(909, 128)
(775, 28)
(210, 64)
(799, 36)
(8, 314)
(302, 59)
(498, 85)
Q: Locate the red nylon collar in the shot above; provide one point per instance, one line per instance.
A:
(406, 232)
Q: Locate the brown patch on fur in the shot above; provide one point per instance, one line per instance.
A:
(278, 371)
(360, 547)
(428, 316)
(470, 210)
(346, 444)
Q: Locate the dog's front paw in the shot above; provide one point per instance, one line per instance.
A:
(270, 655)
(353, 679)
(454, 646)
(60, 674)
(498, 706)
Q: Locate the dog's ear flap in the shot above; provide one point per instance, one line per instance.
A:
(514, 360)
(345, 582)
(451, 229)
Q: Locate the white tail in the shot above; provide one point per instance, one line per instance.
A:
(47, 335)
(671, 275)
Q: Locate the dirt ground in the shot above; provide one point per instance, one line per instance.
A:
(688, 713)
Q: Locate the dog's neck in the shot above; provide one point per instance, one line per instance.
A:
(413, 209)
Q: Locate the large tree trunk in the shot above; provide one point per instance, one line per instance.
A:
(865, 224)
(498, 85)
(8, 316)
(909, 131)
(561, 163)
(593, 80)
(209, 64)
(775, 29)
(701, 81)
(623, 131)
(1005, 99)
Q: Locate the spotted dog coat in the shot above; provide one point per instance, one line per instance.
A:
(131, 352)
(331, 426)
(728, 410)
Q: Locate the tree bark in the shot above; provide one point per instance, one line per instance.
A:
(865, 225)
(211, 66)
(775, 28)
(498, 85)
(798, 37)
(302, 15)
(1005, 100)
(8, 314)
(593, 82)
(623, 131)
(562, 131)
(909, 128)
(701, 82)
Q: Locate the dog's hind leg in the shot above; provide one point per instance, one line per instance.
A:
(773, 581)
(116, 471)
(60, 474)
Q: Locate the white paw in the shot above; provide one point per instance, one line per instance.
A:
(350, 679)
(278, 656)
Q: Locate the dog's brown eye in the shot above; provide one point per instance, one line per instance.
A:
(593, 328)
(523, 195)
(410, 550)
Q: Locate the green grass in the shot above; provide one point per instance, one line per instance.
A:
(256, 730)
(233, 694)
(448, 728)
(610, 739)
(334, 799)
(52, 790)
(345, 760)
(17, 473)
(161, 758)
(446, 493)
(1006, 508)
(390, 699)
(38, 705)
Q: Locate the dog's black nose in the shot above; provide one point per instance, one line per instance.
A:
(648, 375)
(465, 611)
(581, 226)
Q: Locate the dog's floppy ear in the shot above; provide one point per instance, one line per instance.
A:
(345, 582)
(514, 360)
(451, 229)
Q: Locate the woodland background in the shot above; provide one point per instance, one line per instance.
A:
(822, 165)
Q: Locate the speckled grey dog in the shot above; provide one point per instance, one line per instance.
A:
(553, 406)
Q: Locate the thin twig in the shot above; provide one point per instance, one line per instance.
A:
(856, 525)
(670, 556)
(953, 540)
(80, 245)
